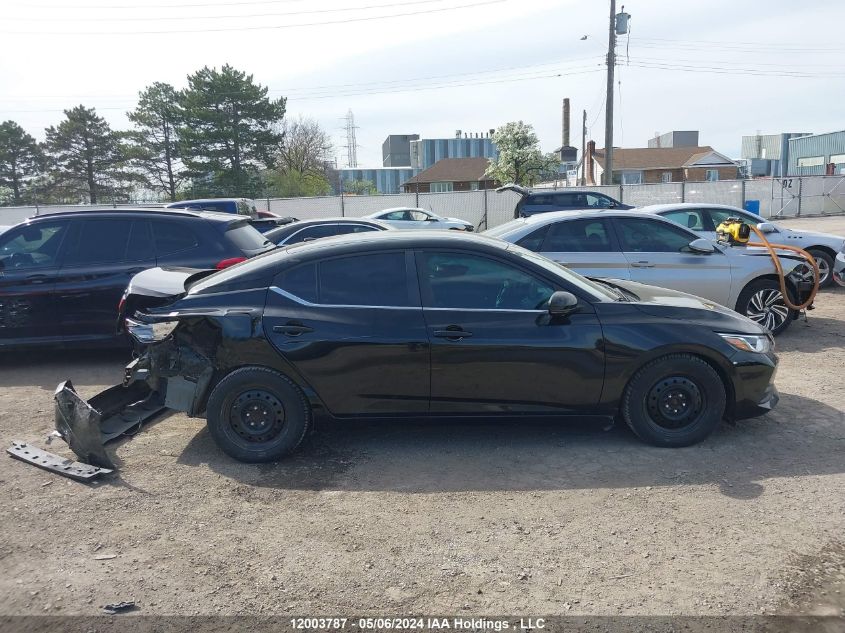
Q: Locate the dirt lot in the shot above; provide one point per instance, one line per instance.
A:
(474, 518)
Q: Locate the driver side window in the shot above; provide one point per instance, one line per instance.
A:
(641, 235)
(462, 281)
(396, 215)
(35, 246)
(419, 216)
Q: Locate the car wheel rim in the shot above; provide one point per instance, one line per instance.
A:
(824, 269)
(675, 402)
(767, 308)
(806, 272)
(257, 416)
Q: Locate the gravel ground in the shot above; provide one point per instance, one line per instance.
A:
(412, 517)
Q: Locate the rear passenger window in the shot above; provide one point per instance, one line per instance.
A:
(100, 242)
(534, 241)
(300, 282)
(173, 237)
(361, 280)
(313, 233)
(577, 236)
(140, 242)
(367, 280)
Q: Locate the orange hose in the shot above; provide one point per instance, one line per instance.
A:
(779, 268)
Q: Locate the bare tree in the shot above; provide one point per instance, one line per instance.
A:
(304, 160)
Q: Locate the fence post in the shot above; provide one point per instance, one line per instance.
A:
(342, 208)
(743, 193)
(683, 191)
(417, 196)
(484, 217)
(621, 193)
(800, 186)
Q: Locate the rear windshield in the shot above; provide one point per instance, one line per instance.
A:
(248, 239)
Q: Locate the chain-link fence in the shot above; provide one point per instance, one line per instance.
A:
(776, 198)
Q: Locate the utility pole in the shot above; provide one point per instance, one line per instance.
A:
(584, 150)
(608, 113)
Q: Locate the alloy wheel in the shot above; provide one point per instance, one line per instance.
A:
(767, 308)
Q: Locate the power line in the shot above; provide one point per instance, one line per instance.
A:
(259, 28)
(733, 44)
(227, 17)
(403, 89)
(357, 84)
(156, 6)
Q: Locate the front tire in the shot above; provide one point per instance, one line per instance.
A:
(256, 414)
(762, 302)
(674, 401)
(825, 263)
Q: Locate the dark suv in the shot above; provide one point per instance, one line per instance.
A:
(543, 201)
(63, 275)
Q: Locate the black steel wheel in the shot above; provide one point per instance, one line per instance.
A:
(256, 414)
(675, 400)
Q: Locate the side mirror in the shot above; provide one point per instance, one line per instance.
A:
(562, 303)
(702, 246)
(430, 219)
(766, 227)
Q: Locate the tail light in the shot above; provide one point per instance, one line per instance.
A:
(225, 263)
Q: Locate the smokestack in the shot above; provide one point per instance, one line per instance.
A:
(565, 123)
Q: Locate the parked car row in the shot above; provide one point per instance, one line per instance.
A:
(64, 274)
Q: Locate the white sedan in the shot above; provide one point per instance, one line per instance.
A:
(410, 218)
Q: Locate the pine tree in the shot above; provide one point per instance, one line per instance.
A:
(229, 131)
(155, 140)
(20, 158)
(86, 157)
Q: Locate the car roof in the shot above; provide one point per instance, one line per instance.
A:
(680, 206)
(391, 209)
(293, 227)
(176, 204)
(550, 216)
(141, 212)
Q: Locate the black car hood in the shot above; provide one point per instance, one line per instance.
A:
(671, 304)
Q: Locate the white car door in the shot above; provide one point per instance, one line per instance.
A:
(421, 220)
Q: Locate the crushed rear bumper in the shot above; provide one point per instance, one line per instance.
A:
(87, 425)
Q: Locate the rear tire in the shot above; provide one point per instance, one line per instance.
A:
(762, 302)
(825, 263)
(256, 414)
(674, 401)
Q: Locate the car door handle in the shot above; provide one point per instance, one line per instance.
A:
(642, 265)
(292, 329)
(37, 279)
(453, 332)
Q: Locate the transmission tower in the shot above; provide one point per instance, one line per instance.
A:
(351, 143)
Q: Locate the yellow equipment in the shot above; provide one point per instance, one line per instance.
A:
(736, 232)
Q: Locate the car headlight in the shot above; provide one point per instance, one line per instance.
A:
(760, 343)
(150, 332)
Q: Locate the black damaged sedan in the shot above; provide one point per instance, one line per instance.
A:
(417, 324)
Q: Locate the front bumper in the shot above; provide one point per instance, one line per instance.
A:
(754, 389)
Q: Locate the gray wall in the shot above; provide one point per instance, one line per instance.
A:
(824, 145)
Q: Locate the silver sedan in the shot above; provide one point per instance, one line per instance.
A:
(646, 248)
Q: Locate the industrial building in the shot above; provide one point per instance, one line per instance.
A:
(767, 155)
(406, 155)
(817, 154)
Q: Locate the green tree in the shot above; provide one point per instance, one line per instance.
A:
(154, 145)
(302, 164)
(229, 130)
(359, 187)
(20, 159)
(86, 158)
(520, 160)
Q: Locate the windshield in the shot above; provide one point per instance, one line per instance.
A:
(598, 291)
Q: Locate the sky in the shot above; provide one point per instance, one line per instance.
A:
(431, 67)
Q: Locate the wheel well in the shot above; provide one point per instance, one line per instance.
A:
(730, 396)
(769, 277)
(825, 249)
